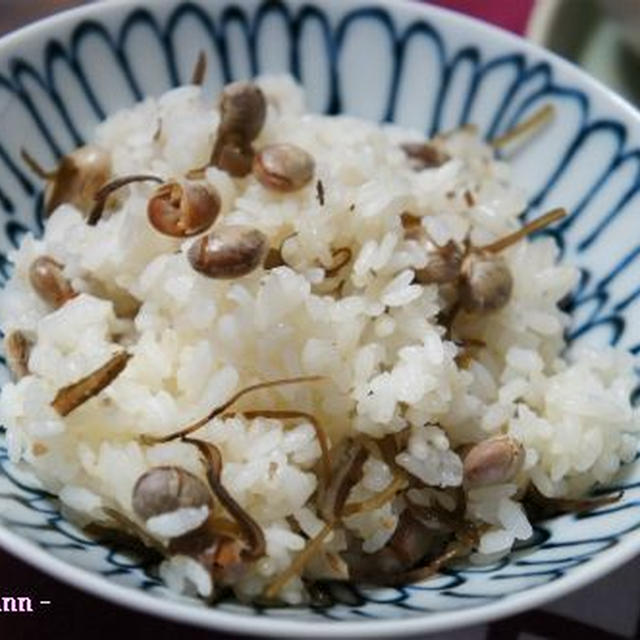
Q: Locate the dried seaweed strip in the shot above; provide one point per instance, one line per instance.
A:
(540, 507)
(226, 405)
(76, 394)
(199, 70)
(398, 483)
(254, 536)
(320, 192)
(346, 470)
(530, 125)
(17, 348)
(299, 562)
(531, 227)
(102, 195)
(454, 550)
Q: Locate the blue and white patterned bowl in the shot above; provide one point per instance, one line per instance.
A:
(384, 60)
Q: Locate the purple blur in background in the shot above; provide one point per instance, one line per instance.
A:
(508, 14)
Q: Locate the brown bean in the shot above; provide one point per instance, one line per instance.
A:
(243, 110)
(486, 283)
(78, 177)
(183, 209)
(46, 278)
(493, 461)
(228, 252)
(283, 167)
(166, 489)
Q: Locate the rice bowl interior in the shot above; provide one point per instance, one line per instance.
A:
(446, 418)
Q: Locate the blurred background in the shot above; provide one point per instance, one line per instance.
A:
(601, 36)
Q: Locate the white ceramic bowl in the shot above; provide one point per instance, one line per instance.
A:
(399, 61)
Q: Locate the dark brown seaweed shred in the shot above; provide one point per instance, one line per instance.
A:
(199, 70)
(208, 533)
(320, 192)
(17, 349)
(147, 439)
(388, 447)
(299, 562)
(36, 167)
(531, 227)
(254, 536)
(540, 507)
(126, 530)
(347, 460)
(469, 199)
(347, 471)
(398, 483)
(76, 394)
(533, 124)
(102, 195)
(455, 549)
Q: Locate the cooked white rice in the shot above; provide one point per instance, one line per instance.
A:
(386, 364)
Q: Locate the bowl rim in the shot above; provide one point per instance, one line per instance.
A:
(424, 7)
(215, 619)
(212, 618)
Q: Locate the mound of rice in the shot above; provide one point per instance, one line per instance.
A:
(386, 362)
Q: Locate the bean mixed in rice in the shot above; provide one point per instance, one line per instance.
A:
(280, 347)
